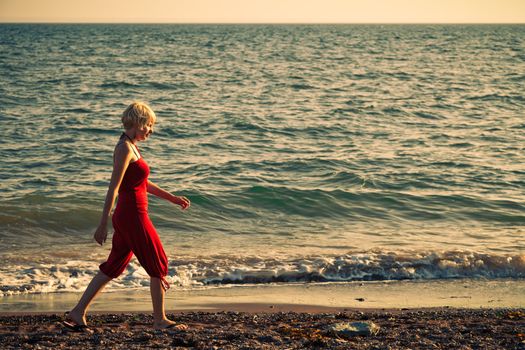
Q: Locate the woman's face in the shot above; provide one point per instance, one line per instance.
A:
(144, 131)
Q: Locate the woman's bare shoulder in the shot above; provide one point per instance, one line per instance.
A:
(122, 150)
(122, 145)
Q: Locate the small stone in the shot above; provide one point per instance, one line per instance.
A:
(350, 329)
(265, 338)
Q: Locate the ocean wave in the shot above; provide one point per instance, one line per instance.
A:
(73, 276)
(367, 266)
(496, 97)
(339, 196)
(119, 85)
(302, 86)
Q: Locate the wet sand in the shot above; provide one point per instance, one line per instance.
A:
(459, 293)
(274, 326)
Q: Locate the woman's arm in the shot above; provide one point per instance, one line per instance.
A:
(120, 164)
(159, 192)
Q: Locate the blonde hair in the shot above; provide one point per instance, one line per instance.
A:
(138, 113)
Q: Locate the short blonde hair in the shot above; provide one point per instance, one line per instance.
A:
(138, 113)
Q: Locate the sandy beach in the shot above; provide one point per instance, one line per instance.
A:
(456, 314)
(304, 328)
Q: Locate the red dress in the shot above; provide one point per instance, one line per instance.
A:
(134, 232)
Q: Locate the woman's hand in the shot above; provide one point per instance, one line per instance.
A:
(182, 201)
(101, 234)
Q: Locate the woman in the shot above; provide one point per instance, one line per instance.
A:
(134, 232)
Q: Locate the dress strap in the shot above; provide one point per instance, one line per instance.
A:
(135, 148)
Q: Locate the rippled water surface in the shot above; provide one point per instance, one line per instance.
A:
(310, 153)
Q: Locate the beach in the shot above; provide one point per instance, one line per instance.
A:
(437, 328)
(440, 314)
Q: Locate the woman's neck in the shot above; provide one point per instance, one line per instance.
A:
(130, 136)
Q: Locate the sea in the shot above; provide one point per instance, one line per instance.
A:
(310, 153)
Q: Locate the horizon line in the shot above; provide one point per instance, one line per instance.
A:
(247, 23)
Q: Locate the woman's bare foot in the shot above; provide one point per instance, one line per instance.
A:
(76, 322)
(76, 317)
(165, 324)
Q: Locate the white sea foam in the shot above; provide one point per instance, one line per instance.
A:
(209, 272)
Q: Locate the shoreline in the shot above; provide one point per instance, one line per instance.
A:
(257, 308)
(332, 297)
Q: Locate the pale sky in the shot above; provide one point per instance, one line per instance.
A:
(264, 11)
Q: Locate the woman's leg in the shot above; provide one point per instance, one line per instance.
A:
(157, 298)
(78, 314)
(116, 263)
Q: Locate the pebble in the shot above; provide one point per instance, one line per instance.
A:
(351, 329)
